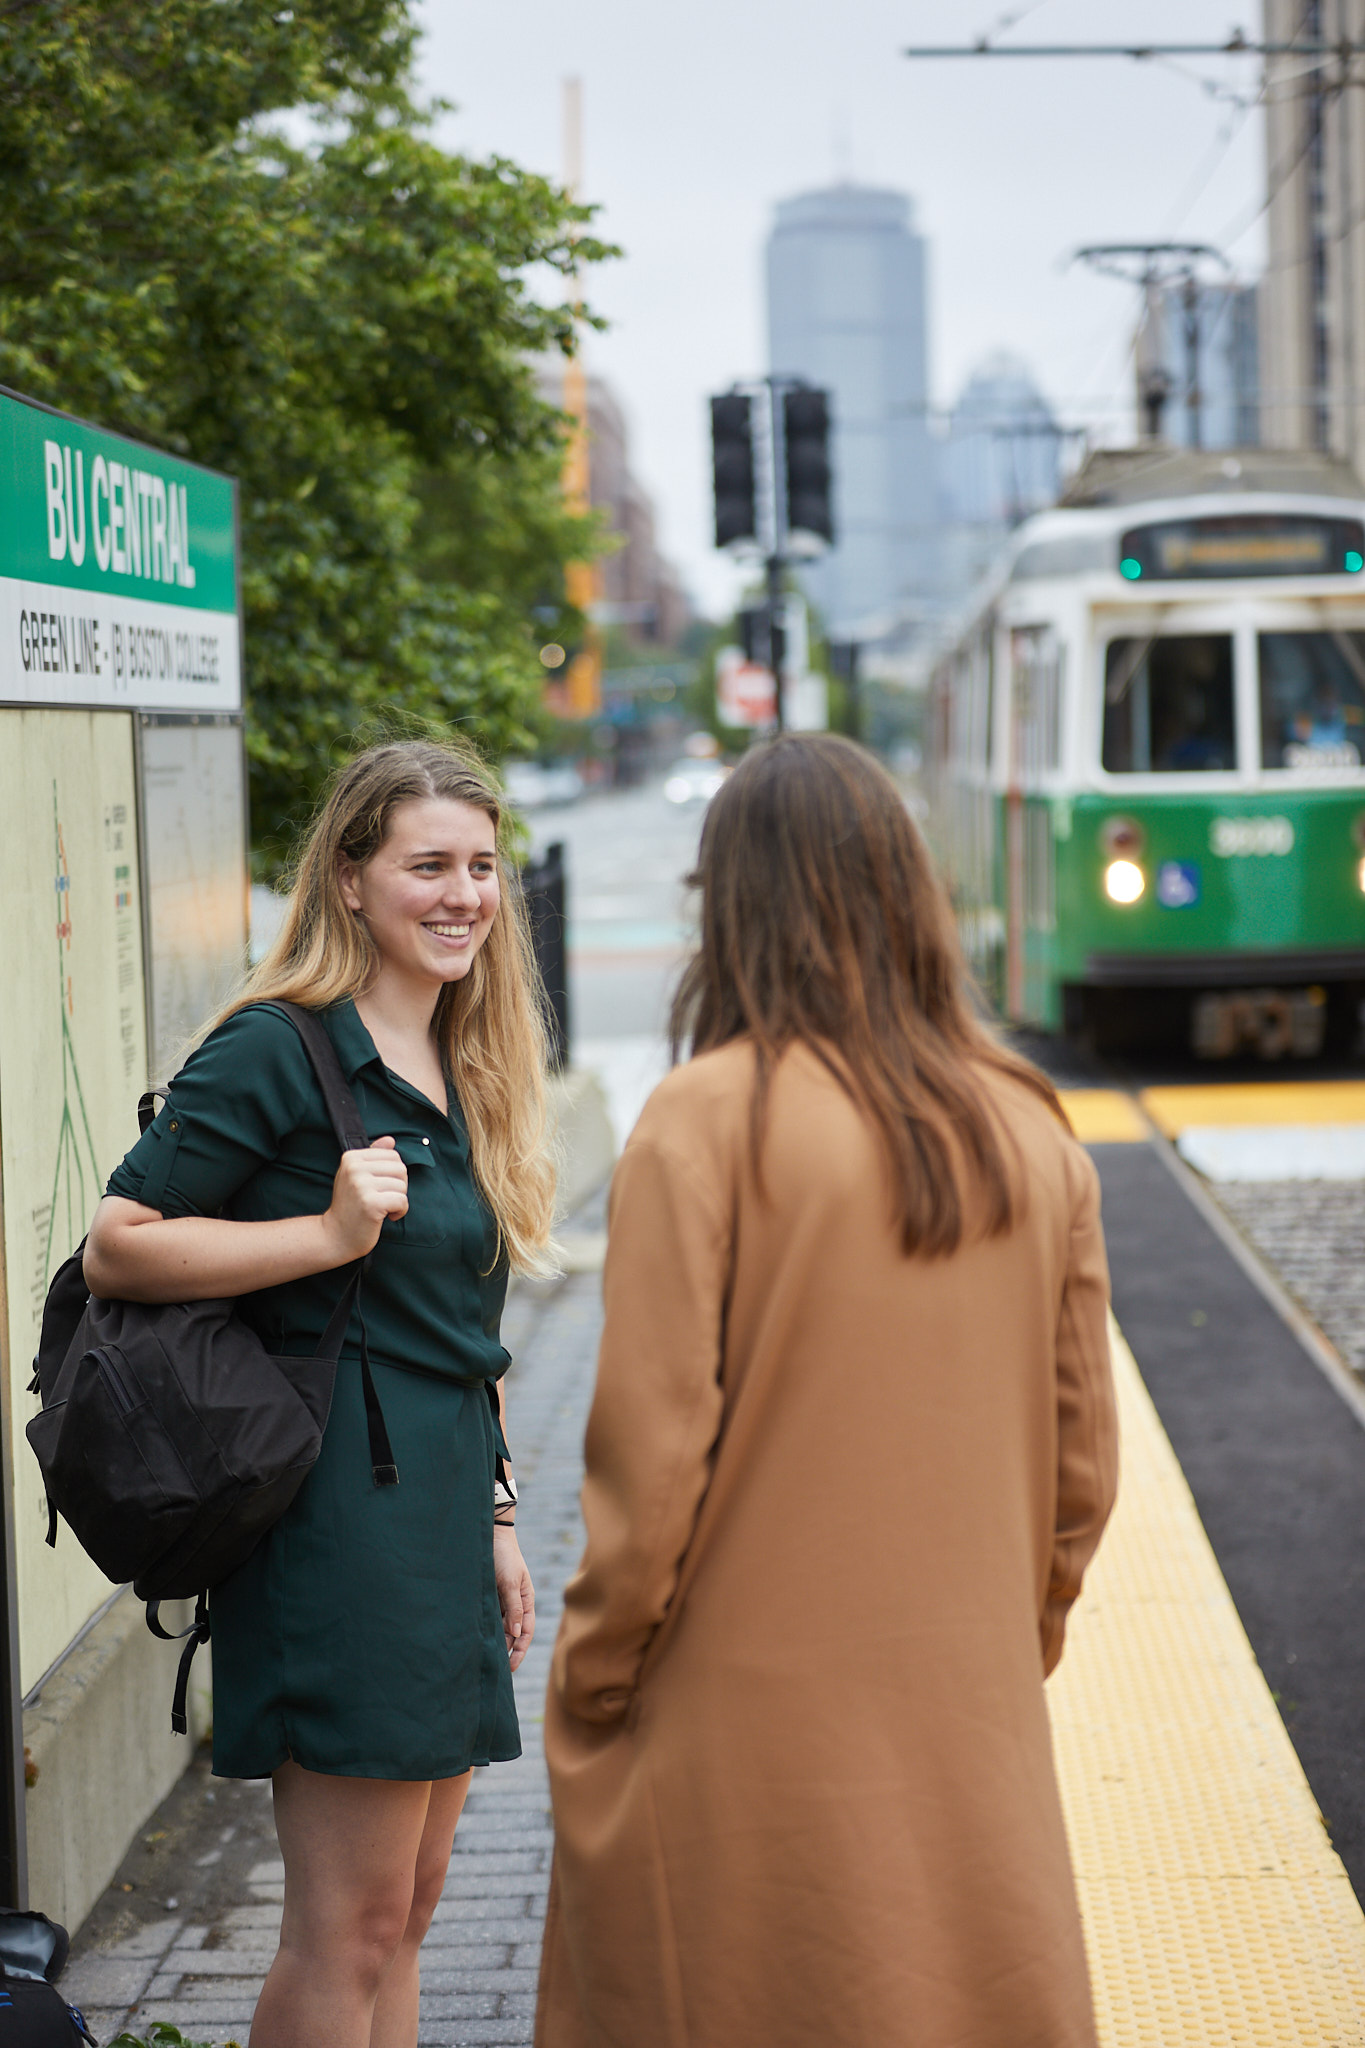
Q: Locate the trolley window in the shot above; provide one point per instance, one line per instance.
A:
(1312, 700)
(1168, 705)
(1036, 663)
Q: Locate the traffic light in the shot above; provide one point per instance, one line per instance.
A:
(805, 424)
(765, 644)
(732, 455)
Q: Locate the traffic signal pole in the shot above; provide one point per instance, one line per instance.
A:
(777, 557)
(770, 450)
(776, 638)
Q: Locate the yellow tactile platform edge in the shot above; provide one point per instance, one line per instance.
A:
(1216, 1911)
(1104, 1116)
(1174, 1110)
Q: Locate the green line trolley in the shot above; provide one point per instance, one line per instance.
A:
(1144, 761)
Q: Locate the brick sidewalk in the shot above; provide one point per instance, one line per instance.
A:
(201, 1968)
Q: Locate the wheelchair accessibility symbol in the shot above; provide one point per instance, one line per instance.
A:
(1177, 884)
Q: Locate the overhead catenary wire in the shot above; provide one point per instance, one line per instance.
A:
(1275, 183)
(1210, 165)
(1315, 56)
(1312, 66)
(1236, 46)
(1212, 88)
(1011, 18)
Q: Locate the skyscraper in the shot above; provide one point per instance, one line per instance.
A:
(1002, 458)
(846, 310)
(1000, 462)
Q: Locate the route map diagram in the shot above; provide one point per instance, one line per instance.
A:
(76, 1176)
(72, 1065)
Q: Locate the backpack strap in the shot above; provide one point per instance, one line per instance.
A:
(349, 1128)
(342, 1107)
(198, 1632)
(160, 1091)
(351, 1136)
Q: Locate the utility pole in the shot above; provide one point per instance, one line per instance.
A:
(1154, 266)
(1153, 378)
(1189, 299)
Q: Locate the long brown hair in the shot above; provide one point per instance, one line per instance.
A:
(824, 924)
(489, 1027)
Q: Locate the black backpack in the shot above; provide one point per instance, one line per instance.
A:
(33, 2013)
(170, 1439)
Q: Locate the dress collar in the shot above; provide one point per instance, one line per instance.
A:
(355, 1047)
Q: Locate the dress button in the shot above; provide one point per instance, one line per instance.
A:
(426, 1141)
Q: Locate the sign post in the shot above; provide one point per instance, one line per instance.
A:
(123, 815)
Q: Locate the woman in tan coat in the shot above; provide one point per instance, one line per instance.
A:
(852, 1447)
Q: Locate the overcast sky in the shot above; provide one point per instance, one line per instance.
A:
(699, 117)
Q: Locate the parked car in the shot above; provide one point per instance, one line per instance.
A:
(535, 785)
(694, 782)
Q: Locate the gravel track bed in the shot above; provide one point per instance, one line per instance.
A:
(1311, 1233)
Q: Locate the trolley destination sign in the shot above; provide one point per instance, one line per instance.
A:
(1245, 544)
(118, 571)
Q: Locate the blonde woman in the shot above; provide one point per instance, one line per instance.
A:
(363, 1654)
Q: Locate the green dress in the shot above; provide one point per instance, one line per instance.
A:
(363, 1636)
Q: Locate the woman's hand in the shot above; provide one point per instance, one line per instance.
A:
(516, 1595)
(370, 1186)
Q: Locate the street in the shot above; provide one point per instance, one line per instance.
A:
(630, 916)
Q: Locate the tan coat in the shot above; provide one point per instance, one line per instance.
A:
(838, 1504)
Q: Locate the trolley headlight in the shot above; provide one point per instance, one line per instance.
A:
(1124, 881)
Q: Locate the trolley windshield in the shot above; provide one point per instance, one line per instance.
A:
(1168, 705)
(1312, 688)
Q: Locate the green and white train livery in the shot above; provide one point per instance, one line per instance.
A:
(1145, 753)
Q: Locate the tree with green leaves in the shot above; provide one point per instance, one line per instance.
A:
(228, 230)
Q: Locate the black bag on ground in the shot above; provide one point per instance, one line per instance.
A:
(170, 1439)
(33, 2013)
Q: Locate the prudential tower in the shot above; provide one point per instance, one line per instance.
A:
(846, 310)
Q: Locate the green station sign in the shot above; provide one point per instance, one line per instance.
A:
(119, 577)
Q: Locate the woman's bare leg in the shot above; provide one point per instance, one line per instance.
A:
(395, 2010)
(350, 1848)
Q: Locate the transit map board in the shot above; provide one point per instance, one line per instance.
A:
(73, 1061)
(118, 571)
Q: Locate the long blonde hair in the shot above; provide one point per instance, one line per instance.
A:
(490, 1027)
